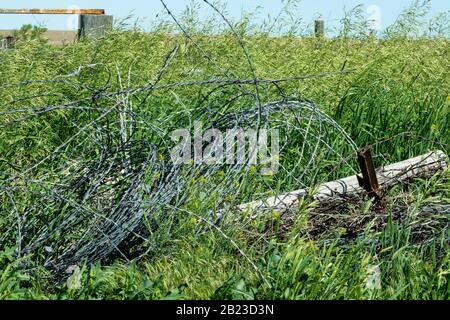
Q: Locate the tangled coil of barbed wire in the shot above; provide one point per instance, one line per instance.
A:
(109, 189)
(105, 190)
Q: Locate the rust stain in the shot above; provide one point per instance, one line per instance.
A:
(369, 180)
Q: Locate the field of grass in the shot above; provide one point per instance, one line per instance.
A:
(393, 95)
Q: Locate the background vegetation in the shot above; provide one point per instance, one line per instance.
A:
(397, 98)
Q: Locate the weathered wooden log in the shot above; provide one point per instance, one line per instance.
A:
(423, 166)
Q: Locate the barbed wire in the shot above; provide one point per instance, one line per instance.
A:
(109, 188)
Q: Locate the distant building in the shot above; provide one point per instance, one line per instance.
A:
(53, 37)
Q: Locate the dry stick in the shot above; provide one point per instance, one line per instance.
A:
(422, 166)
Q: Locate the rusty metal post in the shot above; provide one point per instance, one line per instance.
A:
(369, 180)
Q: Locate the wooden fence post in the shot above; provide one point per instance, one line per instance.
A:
(94, 26)
(319, 28)
(7, 43)
(10, 42)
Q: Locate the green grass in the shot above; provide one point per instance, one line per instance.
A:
(208, 267)
(397, 98)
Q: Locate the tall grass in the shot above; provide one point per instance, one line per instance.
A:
(397, 98)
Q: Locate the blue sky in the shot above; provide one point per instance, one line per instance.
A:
(330, 10)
